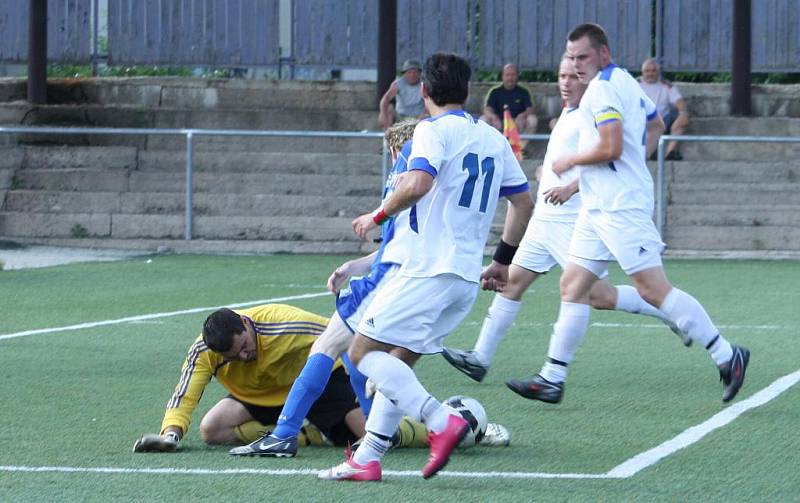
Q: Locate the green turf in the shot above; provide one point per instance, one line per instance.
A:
(80, 398)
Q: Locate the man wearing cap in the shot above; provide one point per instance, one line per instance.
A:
(407, 93)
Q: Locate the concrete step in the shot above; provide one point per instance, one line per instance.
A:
(124, 157)
(732, 193)
(732, 171)
(733, 215)
(237, 183)
(127, 226)
(740, 126)
(279, 118)
(709, 237)
(286, 162)
(745, 126)
(160, 203)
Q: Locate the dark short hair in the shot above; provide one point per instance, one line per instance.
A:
(219, 329)
(597, 36)
(446, 78)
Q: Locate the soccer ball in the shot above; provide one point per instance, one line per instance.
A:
(472, 411)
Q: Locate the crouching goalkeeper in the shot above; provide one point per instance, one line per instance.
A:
(256, 354)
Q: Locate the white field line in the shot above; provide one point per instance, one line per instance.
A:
(691, 435)
(152, 316)
(297, 472)
(624, 470)
(660, 326)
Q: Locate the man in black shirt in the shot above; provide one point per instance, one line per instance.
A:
(515, 97)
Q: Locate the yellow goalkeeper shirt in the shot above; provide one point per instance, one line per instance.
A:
(284, 335)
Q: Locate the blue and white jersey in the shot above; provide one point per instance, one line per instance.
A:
(472, 165)
(393, 249)
(613, 95)
(563, 141)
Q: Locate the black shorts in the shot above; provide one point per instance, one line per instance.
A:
(327, 413)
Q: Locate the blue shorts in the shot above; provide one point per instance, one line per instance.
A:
(353, 301)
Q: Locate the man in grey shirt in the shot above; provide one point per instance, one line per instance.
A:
(407, 93)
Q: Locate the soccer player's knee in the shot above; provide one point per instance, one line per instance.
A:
(209, 432)
(331, 345)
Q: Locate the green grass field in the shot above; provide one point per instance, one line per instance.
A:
(76, 400)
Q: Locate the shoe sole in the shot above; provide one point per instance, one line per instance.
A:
(465, 372)
(745, 361)
(524, 394)
(263, 455)
(460, 438)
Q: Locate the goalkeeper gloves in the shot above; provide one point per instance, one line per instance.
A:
(168, 442)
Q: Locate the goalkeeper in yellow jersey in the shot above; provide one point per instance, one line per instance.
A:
(256, 354)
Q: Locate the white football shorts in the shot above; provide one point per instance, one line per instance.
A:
(417, 313)
(545, 245)
(627, 236)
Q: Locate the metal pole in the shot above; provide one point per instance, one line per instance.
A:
(188, 212)
(37, 51)
(661, 191)
(95, 33)
(659, 55)
(740, 67)
(387, 46)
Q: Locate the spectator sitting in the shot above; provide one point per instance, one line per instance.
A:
(407, 93)
(516, 97)
(670, 104)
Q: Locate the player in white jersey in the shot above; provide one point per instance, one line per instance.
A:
(351, 303)
(615, 221)
(546, 243)
(458, 168)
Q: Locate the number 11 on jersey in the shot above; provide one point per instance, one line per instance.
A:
(470, 165)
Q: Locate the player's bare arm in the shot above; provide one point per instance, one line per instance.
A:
(560, 195)
(607, 149)
(415, 184)
(495, 276)
(357, 267)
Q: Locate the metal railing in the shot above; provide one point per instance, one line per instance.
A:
(190, 134)
(661, 189)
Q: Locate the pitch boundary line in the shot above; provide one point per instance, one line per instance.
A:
(624, 470)
(151, 316)
(693, 434)
(301, 471)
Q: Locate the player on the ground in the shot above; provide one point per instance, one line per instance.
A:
(615, 221)
(256, 354)
(546, 243)
(376, 268)
(458, 168)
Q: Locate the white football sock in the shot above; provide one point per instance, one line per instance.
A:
(687, 313)
(372, 448)
(568, 332)
(397, 382)
(383, 420)
(629, 301)
(500, 317)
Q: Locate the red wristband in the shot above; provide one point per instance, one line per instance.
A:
(380, 217)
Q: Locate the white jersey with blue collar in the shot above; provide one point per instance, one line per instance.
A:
(472, 165)
(563, 141)
(613, 95)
